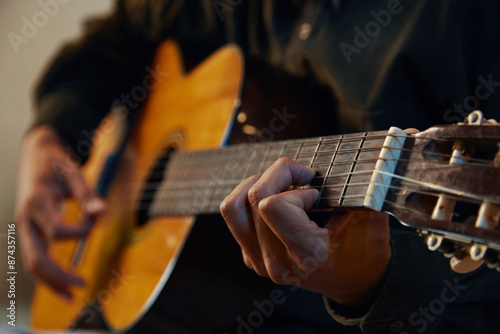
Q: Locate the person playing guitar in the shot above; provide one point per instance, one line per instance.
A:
(383, 63)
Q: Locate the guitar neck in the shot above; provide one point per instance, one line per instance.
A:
(197, 182)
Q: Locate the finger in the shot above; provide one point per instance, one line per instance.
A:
(37, 262)
(89, 202)
(411, 131)
(278, 178)
(46, 216)
(235, 211)
(293, 227)
(281, 175)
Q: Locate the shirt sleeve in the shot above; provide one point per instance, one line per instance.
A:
(422, 294)
(104, 67)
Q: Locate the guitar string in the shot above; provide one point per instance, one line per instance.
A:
(144, 202)
(322, 197)
(406, 188)
(315, 141)
(151, 187)
(350, 150)
(307, 155)
(453, 193)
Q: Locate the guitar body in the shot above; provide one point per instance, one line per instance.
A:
(125, 265)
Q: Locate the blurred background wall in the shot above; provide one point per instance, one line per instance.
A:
(21, 63)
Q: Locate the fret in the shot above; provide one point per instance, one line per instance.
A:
(282, 152)
(363, 170)
(216, 175)
(299, 148)
(251, 161)
(329, 169)
(307, 151)
(214, 172)
(237, 170)
(233, 171)
(341, 199)
(261, 169)
(339, 169)
(315, 152)
(290, 149)
(172, 172)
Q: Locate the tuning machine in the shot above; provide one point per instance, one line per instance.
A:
(466, 254)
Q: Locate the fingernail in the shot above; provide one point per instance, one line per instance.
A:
(94, 205)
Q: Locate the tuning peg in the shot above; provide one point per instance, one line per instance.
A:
(434, 241)
(477, 251)
(488, 216)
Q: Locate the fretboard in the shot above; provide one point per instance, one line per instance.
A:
(197, 182)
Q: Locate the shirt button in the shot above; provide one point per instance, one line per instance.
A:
(304, 31)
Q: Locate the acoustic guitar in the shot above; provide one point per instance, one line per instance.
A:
(169, 168)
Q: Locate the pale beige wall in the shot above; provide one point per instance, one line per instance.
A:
(18, 72)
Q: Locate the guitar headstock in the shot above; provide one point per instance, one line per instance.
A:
(447, 186)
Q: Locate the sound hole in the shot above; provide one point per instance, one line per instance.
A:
(155, 178)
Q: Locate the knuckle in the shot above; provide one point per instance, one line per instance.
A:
(255, 196)
(227, 207)
(269, 205)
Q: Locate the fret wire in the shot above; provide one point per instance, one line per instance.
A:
(239, 163)
(352, 168)
(184, 162)
(252, 157)
(203, 194)
(330, 166)
(262, 165)
(215, 184)
(165, 198)
(298, 150)
(282, 150)
(315, 152)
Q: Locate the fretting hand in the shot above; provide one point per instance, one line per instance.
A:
(346, 260)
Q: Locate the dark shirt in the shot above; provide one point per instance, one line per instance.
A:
(384, 63)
